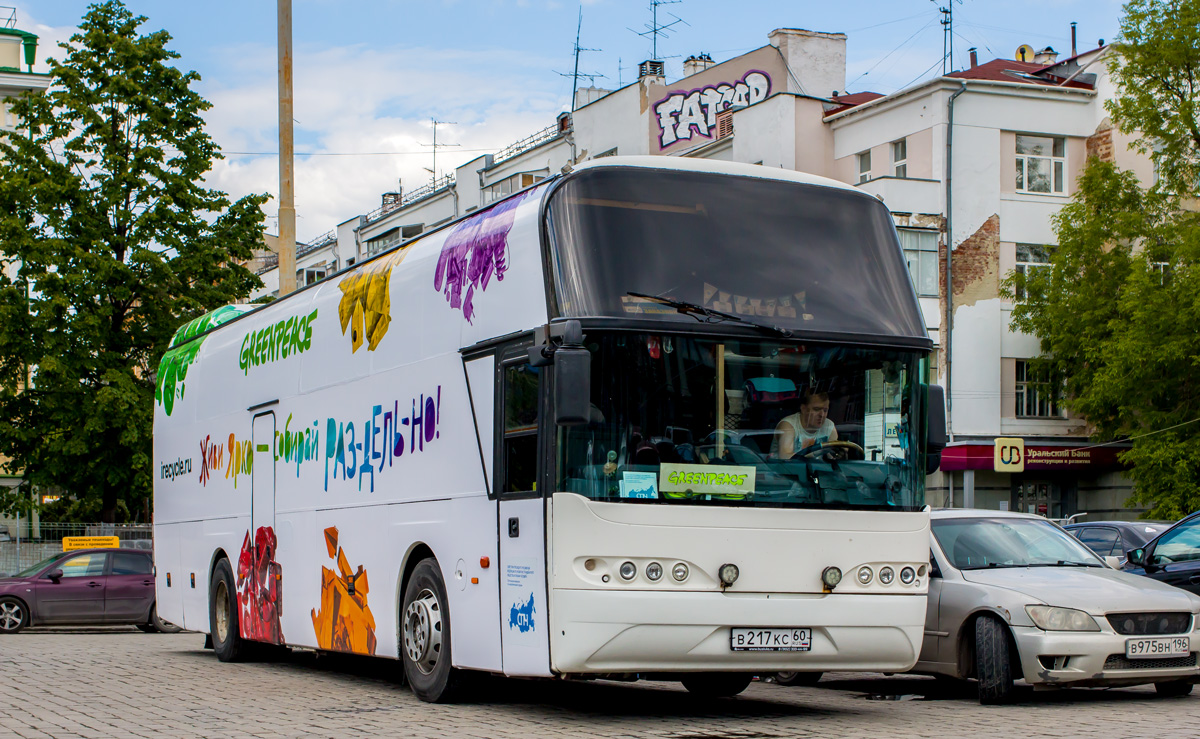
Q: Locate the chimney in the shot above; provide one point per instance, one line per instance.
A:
(816, 61)
(652, 68)
(974, 57)
(1073, 52)
(1045, 56)
(696, 64)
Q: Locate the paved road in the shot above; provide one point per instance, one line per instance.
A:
(119, 683)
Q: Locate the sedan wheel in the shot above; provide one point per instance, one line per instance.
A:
(993, 661)
(13, 615)
(1174, 689)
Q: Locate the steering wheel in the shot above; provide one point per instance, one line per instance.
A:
(840, 448)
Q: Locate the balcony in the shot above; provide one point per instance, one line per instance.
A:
(906, 195)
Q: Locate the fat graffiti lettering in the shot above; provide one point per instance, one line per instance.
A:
(680, 112)
(278, 341)
(383, 438)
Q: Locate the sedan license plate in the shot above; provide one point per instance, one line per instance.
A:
(1160, 646)
(770, 640)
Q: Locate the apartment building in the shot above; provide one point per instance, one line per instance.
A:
(979, 159)
(18, 53)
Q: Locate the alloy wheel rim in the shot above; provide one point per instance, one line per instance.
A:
(10, 616)
(423, 631)
(222, 600)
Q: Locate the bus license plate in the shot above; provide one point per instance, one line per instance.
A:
(1163, 646)
(770, 640)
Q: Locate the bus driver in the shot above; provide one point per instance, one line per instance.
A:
(804, 429)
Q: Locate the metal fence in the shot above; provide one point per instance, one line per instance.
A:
(40, 541)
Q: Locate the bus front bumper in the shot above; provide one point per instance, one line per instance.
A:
(594, 631)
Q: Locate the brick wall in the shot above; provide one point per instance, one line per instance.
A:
(1100, 144)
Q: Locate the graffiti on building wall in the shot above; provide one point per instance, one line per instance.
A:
(682, 114)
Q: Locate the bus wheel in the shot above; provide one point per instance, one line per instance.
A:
(223, 615)
(425, 635)
(716, 684)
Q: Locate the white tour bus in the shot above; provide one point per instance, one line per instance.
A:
(653, 418)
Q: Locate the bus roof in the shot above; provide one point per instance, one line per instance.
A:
(688, 164)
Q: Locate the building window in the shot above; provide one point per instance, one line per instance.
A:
(309, 275)
(509, 185)
(1031, 258)
(900, 158)
(864, 166)
(921, 254)
(1041, 164)
(1037, 395)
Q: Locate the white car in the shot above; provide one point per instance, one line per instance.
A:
(1013, 596)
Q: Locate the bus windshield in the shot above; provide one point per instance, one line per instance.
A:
(690, 420)
(798, 256)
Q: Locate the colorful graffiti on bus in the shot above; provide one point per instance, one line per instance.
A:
(344, 622)
(384, 437)
(366, 305)
(182, 352)
(474, 252)
(259, 585)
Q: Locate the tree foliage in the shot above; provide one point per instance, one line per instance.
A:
(1117, 313)
(110, 241)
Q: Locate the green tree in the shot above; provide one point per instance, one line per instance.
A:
(115, 242)
(1117, 313)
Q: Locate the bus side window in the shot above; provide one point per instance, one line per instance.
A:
(520, 428)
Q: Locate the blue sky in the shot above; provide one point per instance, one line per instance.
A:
(370, 75)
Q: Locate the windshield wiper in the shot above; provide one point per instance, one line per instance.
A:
(1065, 563)
(709, 315)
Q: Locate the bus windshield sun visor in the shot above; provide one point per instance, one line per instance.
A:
(678, 245)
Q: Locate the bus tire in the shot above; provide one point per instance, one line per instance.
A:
(223, 625)
(425, 635)
(993, 661)
(716, 684)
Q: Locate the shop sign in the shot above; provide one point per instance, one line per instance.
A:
(1009, 455)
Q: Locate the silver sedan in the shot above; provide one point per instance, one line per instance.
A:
(1012, 596)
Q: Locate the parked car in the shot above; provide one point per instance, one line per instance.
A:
(1173, 557)
(1012, 596)
(1115, 538)
(88, 586)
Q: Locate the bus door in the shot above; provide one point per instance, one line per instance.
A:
(263, 598)
(524, 619)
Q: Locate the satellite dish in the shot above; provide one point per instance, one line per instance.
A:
(1024, 53)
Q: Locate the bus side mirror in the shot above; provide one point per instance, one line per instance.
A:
(572, 379)
(935, 427)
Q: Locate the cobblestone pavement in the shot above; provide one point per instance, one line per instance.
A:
(119, 683)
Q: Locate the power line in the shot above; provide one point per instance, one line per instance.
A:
(893, 51)
(345, 153)
(1140, 436)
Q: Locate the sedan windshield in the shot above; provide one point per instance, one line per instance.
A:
(981, 543)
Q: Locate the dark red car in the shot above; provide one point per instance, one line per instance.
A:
(88, 586)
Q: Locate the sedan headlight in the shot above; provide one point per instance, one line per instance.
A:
(1053, 618)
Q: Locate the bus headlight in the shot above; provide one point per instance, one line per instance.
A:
(628, 571)
(886, 575)
(864, 575)
(728, 574)
(907, 575)
(679, 571)
(831, 576)
(654, 571)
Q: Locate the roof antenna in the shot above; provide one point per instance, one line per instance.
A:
(655, 29)
(437, 146)
(577, 74)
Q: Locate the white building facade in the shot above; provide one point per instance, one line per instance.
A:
(987, 154)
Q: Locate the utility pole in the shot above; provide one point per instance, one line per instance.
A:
(287, 187)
